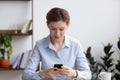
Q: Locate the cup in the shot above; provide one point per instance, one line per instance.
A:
(104, 76)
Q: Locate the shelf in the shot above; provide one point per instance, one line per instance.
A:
(10, 69)
(15, 32)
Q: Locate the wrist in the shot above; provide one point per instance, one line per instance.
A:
(41, 74)
(75, 74)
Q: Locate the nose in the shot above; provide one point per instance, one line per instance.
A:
(57, 32)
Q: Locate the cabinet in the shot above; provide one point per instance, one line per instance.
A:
(13, 13)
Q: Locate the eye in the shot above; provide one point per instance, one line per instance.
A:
(62, 29)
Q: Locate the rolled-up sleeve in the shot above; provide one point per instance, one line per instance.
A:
(84, 72)
(30, 72)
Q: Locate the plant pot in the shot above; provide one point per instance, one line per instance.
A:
(4, 63)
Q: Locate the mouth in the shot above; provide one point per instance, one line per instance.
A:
(57, 37)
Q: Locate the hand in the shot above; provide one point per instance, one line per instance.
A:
(66, 71)
(49, 73)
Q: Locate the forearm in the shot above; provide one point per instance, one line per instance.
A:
(30, 75)
(84, 75)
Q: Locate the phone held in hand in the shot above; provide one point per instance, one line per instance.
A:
(58, 66)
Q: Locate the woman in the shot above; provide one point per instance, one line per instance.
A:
(57, 48)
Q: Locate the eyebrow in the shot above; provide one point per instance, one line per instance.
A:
(55, 27)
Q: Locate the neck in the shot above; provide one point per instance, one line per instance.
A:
(57, 44)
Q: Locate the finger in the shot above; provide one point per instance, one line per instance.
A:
(53, 69)
(65, 67)
(67, 74)
(51, 73)
(56, 69)
(64, 71)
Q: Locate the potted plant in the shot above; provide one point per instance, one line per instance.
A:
(117, 66)
(94, 65)
(107, 63)
(5, 50)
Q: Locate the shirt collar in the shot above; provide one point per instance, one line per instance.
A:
(66, 42)
(49, 44)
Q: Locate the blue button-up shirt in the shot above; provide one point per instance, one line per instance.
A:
(70, 54)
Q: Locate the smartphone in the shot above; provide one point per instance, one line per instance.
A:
(58, 66)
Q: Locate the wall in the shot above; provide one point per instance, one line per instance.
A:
(12, 16)
(93, 22)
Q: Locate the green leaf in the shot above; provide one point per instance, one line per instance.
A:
(2, 52)
(102, 65)
(118, 43)
(118, 66)
(107, 48)
(117, 76)
(110, 53)
(88, 52)
(5, 42)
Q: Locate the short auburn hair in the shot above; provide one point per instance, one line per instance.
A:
(58, 14)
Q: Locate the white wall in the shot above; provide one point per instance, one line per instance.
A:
(93, 22)
(12, 16)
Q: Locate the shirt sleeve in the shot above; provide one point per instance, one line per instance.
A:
(30, 72)
(84, 72)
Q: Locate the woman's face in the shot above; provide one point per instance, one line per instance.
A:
(57, 30)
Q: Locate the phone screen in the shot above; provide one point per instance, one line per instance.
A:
(58, 66)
